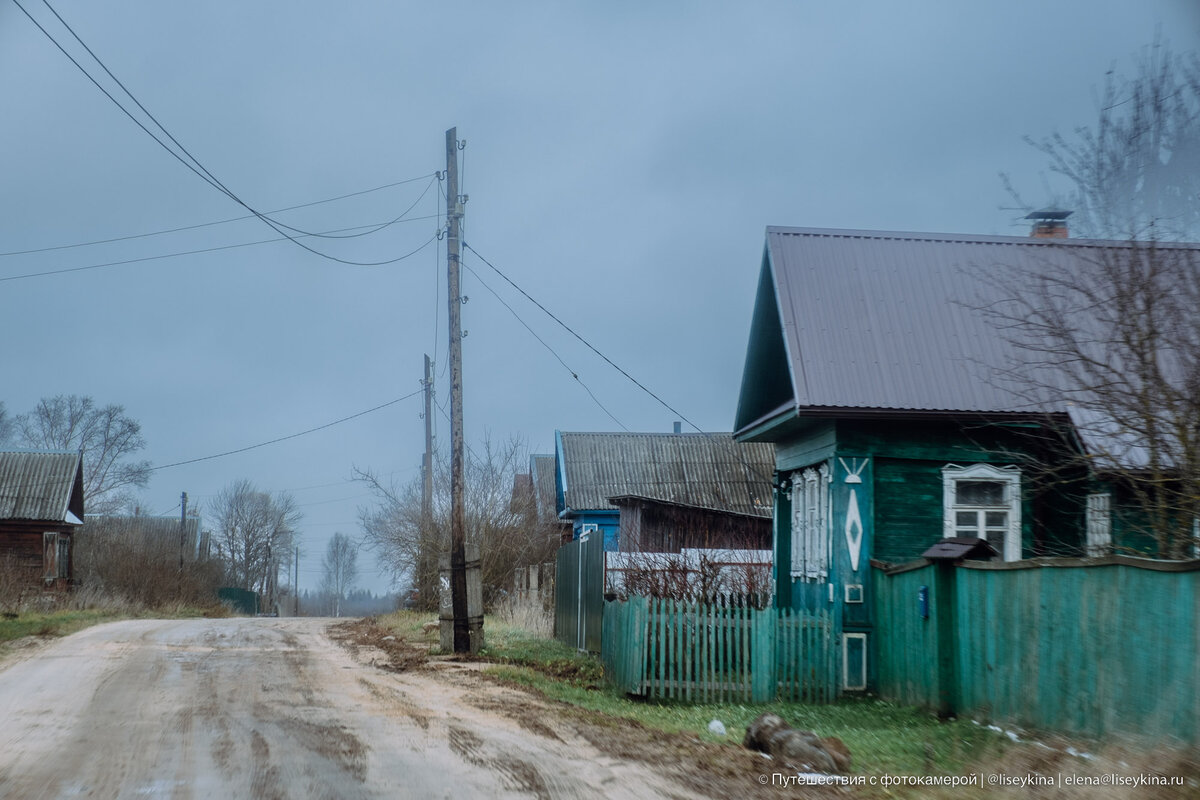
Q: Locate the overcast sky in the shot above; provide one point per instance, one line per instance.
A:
(622, 162)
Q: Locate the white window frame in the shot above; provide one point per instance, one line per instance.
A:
(1099, 524)
(1010, 476)
(810, 523)
(862, 665)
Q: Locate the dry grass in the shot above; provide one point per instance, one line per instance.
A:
(1062, 769)
(526, 612)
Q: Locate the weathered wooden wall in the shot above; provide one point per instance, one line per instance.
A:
(648, 526)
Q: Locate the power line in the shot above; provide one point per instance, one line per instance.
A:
(586, 343)
(219, 221)
(290, 436)
(663, 403)
(544, 344)
(194, 164)
(214, 249)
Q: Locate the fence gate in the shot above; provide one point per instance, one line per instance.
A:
(579, 593)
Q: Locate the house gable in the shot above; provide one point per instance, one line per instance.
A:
(41, 506)
(768, 385)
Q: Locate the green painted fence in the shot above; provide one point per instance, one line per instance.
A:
(1091, 648)
(241, 601)
(717, 652)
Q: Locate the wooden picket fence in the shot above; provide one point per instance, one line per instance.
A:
(723, 651)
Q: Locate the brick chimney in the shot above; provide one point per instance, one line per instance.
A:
(1049, 223)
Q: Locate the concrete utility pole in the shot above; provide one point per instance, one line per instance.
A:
(296, 583)
(458, 540)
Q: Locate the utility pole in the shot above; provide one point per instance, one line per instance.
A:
(427, 489)
(296, 582)
(458, 540)
(182, 527)
(428, 547)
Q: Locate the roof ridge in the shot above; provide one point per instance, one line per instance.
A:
(968, 238)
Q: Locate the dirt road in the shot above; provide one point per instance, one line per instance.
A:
(273, 708)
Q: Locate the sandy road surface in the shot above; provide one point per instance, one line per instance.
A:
(272, 708)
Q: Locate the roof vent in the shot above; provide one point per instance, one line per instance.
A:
(1049, 223)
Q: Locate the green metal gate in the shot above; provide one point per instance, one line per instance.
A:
(579, 593)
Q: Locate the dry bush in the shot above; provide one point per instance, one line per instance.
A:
(117, 563)
(16, 584)
(503, 525)
(704, 575)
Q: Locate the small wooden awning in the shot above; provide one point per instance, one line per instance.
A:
(959, 548)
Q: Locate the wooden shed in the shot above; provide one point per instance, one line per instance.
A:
(41, 507)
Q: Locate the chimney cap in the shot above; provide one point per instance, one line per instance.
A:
(1049, 214)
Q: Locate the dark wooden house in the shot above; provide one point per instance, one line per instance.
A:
(664, 492)
(41, 507)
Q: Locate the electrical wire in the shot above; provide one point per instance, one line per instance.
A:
(437, 271)
(194, 164)
(750, 467)
(469, 450)
(290, 436)
(585, 342)
(217, 248)
(544, 344)
(217, 222)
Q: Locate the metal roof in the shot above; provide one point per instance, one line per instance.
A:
(149, 528)
(541, 467)
(41, 485)
(886, 320)
(706, 470)
(958, 548)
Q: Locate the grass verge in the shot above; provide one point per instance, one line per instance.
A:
(67, 621)
(882, 737)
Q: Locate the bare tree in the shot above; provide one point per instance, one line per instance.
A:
(6, 425)
(1115, 330)
(408, 544)
(106, 435)
(1135, 174)
(340, 567)
(255, 532)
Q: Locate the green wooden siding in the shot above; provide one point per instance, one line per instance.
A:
(817, 443)
(908, 508)
(907, 486)
(781, 571)
(906, 644)
(1086, 650)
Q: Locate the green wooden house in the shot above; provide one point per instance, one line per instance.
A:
(873, 372)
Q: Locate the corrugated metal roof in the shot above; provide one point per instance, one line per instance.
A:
(887, 320)
(707, 470)
(542, 469)
(39, 485)
(150, 528)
